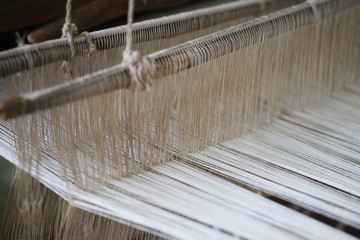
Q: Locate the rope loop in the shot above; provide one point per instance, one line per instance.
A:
(91, 45)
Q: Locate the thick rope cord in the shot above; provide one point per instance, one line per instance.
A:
(141, 68)
(130, 18)
(69, 29)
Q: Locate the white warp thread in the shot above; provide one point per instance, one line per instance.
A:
(310, 158)
(186, 203)
(319, 168)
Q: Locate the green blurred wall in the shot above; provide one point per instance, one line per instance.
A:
(6, 175)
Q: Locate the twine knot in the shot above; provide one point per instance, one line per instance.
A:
(92, 46)
(68, 31)
(141, 70)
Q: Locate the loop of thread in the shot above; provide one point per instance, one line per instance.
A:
(314, 8)
(92, 46)
(141, 68)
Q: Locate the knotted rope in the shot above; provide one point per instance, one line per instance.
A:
(69, 29)
(141, 68)
(92, 46)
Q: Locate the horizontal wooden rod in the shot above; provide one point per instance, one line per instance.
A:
(35, 55)
(172, 60)
(97, 12)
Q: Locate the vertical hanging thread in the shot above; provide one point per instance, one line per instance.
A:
(69, 28)
(68, 31)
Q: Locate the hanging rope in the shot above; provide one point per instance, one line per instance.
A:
(141, 68)
(69, 29)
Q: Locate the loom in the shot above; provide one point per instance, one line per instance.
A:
(250, 129)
